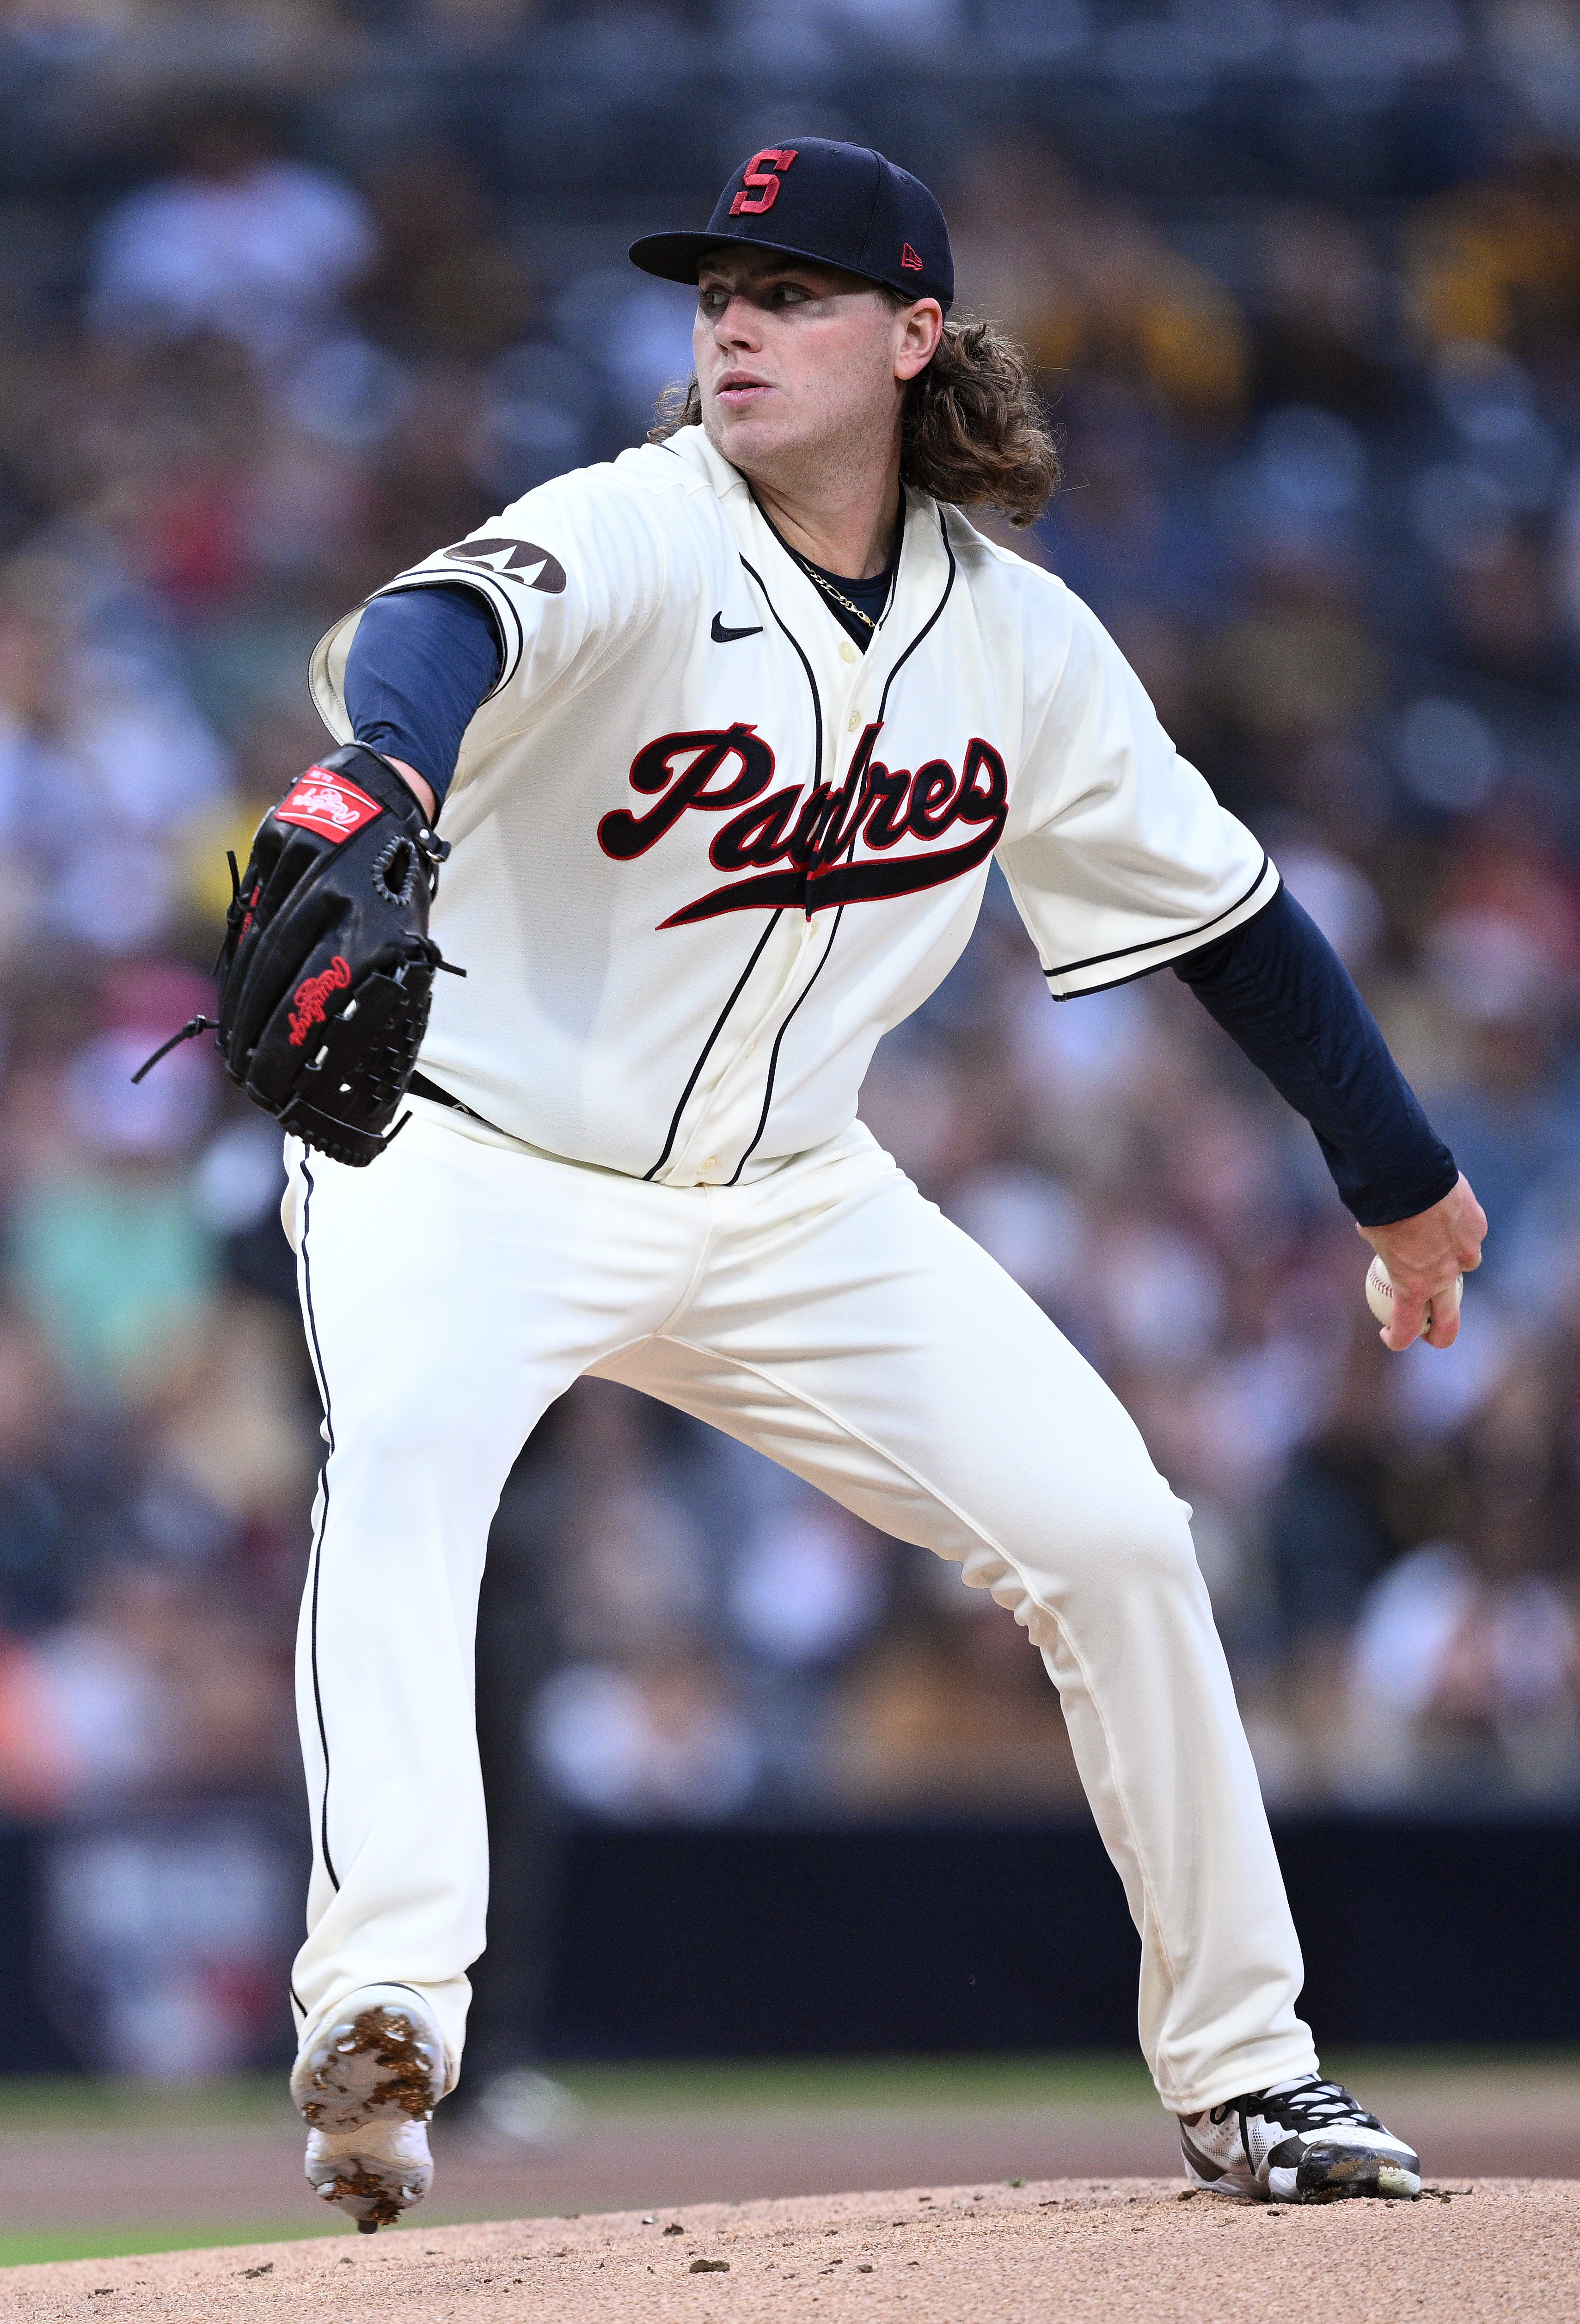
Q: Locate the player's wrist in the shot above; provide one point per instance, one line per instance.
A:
(381, 779)
(421, 790)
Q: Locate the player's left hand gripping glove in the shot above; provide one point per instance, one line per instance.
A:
(327, 970)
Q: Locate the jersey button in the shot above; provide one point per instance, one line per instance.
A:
(852, 723)
(847, 650)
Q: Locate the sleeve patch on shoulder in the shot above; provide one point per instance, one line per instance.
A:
(522, 555)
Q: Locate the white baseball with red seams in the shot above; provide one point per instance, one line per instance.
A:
(1381, 1294)
(704, 855)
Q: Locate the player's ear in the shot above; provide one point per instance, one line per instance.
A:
(918, 330)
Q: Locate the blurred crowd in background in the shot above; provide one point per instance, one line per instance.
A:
(293, 292)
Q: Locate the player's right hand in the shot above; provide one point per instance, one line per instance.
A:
(1423, 1256)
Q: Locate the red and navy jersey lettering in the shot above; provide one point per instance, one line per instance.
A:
(833, 842)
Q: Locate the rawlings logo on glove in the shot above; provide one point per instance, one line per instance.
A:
(331, 903)
(320, 801)
(312, 996)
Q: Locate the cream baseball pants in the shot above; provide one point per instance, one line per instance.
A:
(830, 1317)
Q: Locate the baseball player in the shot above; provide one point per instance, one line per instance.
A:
(721, 739)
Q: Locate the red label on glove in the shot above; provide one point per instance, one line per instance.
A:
(312, 996)
(323, 802)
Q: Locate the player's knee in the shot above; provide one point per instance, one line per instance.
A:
(1122, 1538)
(1143, 1536)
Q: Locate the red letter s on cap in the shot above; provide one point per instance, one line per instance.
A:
(766, 183)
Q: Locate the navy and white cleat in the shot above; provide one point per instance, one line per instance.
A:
(1301, 2142)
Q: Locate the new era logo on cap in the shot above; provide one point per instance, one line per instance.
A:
(838, 205)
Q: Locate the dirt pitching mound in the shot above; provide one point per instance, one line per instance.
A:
(1074, 2249)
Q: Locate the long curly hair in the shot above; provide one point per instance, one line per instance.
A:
(976, 432)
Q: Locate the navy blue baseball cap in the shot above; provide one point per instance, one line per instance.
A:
(841, 205)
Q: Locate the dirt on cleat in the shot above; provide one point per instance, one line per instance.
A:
(406, 2068)
(367, 2087)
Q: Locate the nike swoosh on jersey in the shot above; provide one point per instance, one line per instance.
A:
(723, 637)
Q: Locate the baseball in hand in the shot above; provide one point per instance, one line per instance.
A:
(1380, 1294)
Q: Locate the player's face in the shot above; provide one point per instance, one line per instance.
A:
(793, 358)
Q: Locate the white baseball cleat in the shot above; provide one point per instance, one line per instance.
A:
(1306, 2141)
(366, 2086)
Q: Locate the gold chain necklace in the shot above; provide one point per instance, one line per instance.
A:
(823, 583)
(829, 589)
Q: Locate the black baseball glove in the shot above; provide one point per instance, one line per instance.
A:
(327, 970)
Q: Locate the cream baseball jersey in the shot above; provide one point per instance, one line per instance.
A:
(705, 853)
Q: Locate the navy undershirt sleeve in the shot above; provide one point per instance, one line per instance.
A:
(419, 665)
(1277, 989)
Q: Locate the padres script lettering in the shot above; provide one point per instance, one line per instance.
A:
(716, 769)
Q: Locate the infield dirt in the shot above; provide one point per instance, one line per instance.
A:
(1073, 2250)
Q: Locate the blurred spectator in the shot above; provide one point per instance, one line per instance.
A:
(1089, 285)
(1465, 1674)
(807, 1584)
(143, 1692)
(107, 1249)
(951, 1711)
(445, 281)
(236, 241)
(1499, 260)
(654, 1737)
(1323, 322)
